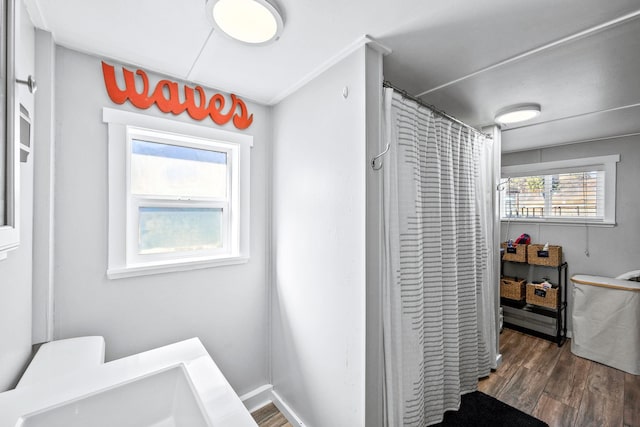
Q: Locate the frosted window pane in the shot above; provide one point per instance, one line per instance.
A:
(170, 170)
(163, 229)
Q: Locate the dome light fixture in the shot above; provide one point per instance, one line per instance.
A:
(517, 113)
(254, 22)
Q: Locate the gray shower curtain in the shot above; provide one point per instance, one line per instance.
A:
(435, 264)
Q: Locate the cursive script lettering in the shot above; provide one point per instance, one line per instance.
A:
(166, 96)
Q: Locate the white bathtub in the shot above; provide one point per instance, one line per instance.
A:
(172, 386)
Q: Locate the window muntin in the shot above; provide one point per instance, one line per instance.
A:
(578, 190)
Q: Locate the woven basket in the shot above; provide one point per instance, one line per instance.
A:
(539, 296)
(517, 253)
(549, 258)
(512, 288)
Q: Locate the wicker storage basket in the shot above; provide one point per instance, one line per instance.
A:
(517, 253)
(539, 296)
(512, 288)
(549, 258)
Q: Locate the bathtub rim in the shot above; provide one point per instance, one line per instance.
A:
(219, 401)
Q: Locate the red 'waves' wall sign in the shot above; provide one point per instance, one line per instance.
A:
(166, 96)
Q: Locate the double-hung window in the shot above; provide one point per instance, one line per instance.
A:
(181, 194)
(178, 195)
(579, 191)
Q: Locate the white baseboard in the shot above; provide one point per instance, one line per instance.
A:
(264, 395)
(257, 398)
(498, 360)
(286, 410)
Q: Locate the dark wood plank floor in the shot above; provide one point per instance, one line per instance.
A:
(548, 382)
(269, 416)
(560, 388)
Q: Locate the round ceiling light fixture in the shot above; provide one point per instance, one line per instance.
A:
(518, 113)
(255, 22)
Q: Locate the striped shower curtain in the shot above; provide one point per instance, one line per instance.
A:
(435, 264)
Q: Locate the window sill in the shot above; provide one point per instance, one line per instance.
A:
(565, 222)
(173, 266)
(4, 252)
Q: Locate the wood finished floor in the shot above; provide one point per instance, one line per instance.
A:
(548, 382)
(269, 416)
(563, 390)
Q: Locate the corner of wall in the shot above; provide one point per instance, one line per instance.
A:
(44, 182)
(374, 358)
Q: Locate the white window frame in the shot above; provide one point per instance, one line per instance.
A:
(10, 164)
(608, 164)
(123, 260)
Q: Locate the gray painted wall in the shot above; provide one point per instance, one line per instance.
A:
(319, 241)
(612, 250)
(226, 307)
(15, 271)
(43, 189)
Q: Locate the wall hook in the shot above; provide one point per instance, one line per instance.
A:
(503, 184)
(30, 82)
(376, 162)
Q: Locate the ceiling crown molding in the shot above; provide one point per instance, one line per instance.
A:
(37, 18)
(365, 40)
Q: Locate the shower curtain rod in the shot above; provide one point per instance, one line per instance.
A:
(441, 113)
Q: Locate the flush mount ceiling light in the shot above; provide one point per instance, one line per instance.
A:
(518, 113)
(255, 22)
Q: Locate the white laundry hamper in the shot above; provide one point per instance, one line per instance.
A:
(606, 321)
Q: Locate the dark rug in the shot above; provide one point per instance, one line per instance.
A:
(479, 410)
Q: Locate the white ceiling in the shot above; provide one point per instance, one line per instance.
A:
(579, 59)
